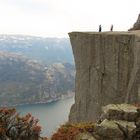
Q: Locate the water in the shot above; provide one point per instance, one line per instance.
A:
(50, 115)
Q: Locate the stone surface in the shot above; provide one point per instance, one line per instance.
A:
(115, 128)
(125, 112)
(107, 71)
(84, 136)
(136, 26)
(112, 129)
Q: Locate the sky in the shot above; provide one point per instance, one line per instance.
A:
(55, 18)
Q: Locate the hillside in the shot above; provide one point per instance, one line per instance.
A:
(25, 80)
(45, 50)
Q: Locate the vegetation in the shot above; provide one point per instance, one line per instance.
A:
(69, 131)
(15, 127)
(25, 80)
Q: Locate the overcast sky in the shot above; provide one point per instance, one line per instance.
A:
(55, 18)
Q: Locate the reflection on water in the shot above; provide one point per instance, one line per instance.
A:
(50, 115)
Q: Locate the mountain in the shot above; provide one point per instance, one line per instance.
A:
(45, 50)
(24, 80)
(136, 25)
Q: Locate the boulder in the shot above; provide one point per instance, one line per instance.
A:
(125, 112)
(120, 122)
(84, 136)
(112, 129)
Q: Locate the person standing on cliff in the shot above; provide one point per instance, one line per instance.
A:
(100, 28)
(111, 28)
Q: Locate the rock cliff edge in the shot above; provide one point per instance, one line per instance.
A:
(107, 71)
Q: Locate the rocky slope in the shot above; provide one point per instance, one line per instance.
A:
(117, 122)
(120, 122)
(136, 26)
(24, 80)
(107, 71)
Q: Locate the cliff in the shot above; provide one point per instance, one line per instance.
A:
(107, 71)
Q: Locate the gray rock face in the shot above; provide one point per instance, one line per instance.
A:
(119, 123)
(107, 71)
(110, 130)
(84, 136)
(125, 112)
(136, 26)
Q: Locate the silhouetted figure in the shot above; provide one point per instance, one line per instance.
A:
(100, 28)
(111, 28)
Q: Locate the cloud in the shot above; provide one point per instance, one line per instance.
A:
(28, 6)
(58, 17)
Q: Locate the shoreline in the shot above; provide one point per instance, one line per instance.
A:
(40, 102)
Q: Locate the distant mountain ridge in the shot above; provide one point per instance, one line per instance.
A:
(24, 81)
(46, 50)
